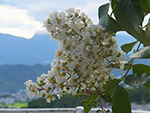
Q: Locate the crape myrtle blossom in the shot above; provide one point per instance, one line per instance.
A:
(84, 60)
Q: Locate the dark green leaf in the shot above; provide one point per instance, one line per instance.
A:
(140, 69)
(106, 97)
(139, 34)
(107, 21)
(133, 15)
(127, 65)
(128, 47)
(121, 101)
(89, 103)
(137, 6)
(137, 80)
(142, 53)
(123, 18)
(145, 4)
(110, 86)
(114, 3)
(140, 75)
(147, 31)
(148, 85)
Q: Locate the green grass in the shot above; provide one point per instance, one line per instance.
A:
(19, 105)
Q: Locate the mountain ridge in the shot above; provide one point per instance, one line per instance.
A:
(22, 59)
(14, 76)
(17, 50)
(39, 49)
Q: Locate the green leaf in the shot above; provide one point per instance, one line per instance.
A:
(139, 34)
(145, 4)
(147, 31)
(132, 11)
(140, 69)
(89, 103)
(129, 19)
(137, 6)
(107, 21)
(137, 80)
(147, 85)
(106, 97)
(142, 53)
(109, 88)
(121, 101)
(110, 85)
(128, 47)
(139, 76)
(127, 65)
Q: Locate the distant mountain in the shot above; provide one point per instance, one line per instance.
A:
(17, 50)
(12, 77)
(21, 59)
(39, 49)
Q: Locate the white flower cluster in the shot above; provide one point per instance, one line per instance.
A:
(84, 60)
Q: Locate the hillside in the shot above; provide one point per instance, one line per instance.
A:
(12, 77)
(22, 59)
(37, 50)
(17, 50)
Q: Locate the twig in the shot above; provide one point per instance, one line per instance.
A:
(108, 60)
(124, 74)
(113, 9)
(130, 64)
(101, 105)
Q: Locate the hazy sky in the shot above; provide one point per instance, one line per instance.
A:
(25, 17)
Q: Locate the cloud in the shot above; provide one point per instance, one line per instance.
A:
(25, 17)
(91, 9)
(16, 22)
(44, 7)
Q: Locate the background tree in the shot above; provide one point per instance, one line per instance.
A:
(67, 101)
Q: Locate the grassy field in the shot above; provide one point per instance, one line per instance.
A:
(19, 105)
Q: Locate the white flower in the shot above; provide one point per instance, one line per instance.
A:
(53, 15)
(86, 34)
(41, 78)
(32, 88)
(84, 60)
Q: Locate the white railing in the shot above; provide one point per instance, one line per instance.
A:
(56, 110)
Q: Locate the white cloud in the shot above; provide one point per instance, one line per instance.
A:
(91, 9)
(16, 22)
(18, 16)
(47, 6)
